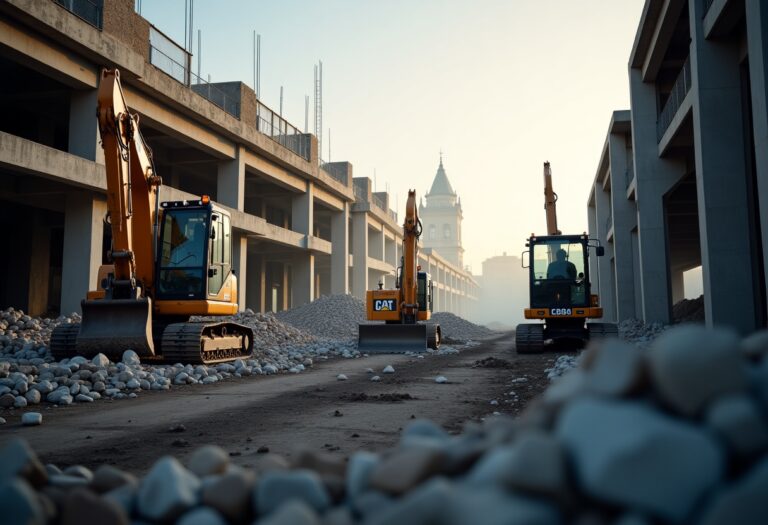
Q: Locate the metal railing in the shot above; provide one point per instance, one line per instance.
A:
(92, 11)
(379, 201)
(205, 89)
(278, 129)
(680, 89)
(336, 171)
(168, 65)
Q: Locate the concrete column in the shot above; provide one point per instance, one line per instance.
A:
(757, 44)
(655, 176)
(721, 180)
(230, 182)
(256, 285)
(84, 126)
(624, 214)
(340, 251)
(39, 266)
(359, 254)
(240, 266)
(678, 288)
(606, 290)
(594, 276)
(286, 289)
(303, 281)
(302, 211)
(83, 237)
(376, 243)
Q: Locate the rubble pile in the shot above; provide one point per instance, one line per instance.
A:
(637, 332)
(457, 329)
(674, 434)
(331, 316)
(689, 310)
(26, 337)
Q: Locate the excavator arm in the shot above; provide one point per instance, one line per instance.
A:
(550, 202)
(409, 286)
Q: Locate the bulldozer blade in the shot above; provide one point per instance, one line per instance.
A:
(392, 338)
(112, 326)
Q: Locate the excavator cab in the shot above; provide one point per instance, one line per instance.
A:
(560, 292)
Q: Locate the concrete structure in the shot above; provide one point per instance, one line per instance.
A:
(504, 292)
(301, 227)
(698, 190)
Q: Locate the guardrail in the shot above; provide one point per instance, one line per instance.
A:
(215, 95)
(92, 11)
(680, 89)
(278, 129)
(379, 202)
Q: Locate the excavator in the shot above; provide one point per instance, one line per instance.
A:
(170, 261)
(405, 309)
(561, 295)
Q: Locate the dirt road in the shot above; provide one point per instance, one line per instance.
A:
(283, 411)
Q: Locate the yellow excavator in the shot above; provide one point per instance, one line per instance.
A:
(405, 309)
(170, 261)
(561, 295)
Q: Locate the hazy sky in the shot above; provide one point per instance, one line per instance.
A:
(499, 85)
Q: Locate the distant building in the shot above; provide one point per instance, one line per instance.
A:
(503, 292)
(441, 218)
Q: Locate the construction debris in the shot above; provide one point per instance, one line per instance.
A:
(457, 330)
(680, 437)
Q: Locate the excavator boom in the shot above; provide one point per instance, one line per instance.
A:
(550, 202)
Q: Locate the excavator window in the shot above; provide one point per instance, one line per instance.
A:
(182, 253)
(558, 273)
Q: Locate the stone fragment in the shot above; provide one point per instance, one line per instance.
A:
(131, 358)
(30, 419)
(79, 471)
(743, 502)
(20, 402)
(7, 400)
(691, 365)
(673, 464)
(230, 494)
(124, 496)
(441, 380)
(405, 469)
(202, 516)
(33, 396)
(67, 481)
(389, 369)
(535, 462)
(341, 377)
(167, 491)
(20, 504)
(107, 478)
(83, 507)
(293, 512)
(277, 487)
(737, 419)
(359, 469)
(2, 421)
(615, 368)
(376, 379)
(18, 460)
(426, 504)
(498, 507)
(208, 460)
(82, 398)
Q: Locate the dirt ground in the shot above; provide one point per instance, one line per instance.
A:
(251, 416)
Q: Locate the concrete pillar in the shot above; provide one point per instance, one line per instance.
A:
(230, 181)
(359, 254)
(655, 176)
(376, 243)
(286, 289)
(340, 251)
(256, 284)
(603, 222)
(84, 126)
(678, 288)
(83, 237)
(302, 211)
(757, 44)
(594, 276)
(240, 266)
(721, 180)
(303, 281)
(624, 214)
(39, 266)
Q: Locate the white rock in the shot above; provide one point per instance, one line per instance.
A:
(276, 487)
(389, 369)
(341, 377)
(31, 419)
(82, 398)
(441, 379)
(131, 358)
(167, 491)
(20, 402)
(375, 379)
(202, 516)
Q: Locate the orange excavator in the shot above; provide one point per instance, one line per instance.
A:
(170, 261)
(405, 309)
(560, 288)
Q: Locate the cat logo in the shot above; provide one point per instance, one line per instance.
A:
(384, 305)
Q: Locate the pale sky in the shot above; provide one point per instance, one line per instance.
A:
(499, 85)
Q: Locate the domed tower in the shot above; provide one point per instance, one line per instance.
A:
(441, 218)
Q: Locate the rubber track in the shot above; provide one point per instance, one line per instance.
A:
(182, 343)
(63, 342)
(529, 339)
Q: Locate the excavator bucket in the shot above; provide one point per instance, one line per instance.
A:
(112, 326)
(392, 338)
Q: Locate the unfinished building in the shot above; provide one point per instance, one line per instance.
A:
(302, 227)
(683, 181)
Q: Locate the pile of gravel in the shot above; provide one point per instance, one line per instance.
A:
(675, 434)
(641, 334)
(332, 316)
(689, 311)
(457, 329)
(29, 375)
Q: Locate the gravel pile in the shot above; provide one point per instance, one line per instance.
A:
(331, 316)
(30, 376)
(689, 311)
(637, 332)
(457, 329)
(675, 434)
